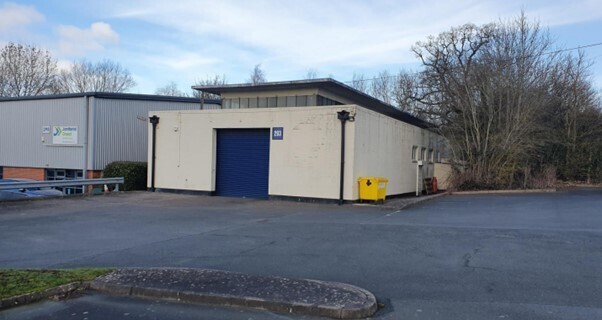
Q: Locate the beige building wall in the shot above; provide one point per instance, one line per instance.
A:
(443, 172)
(384, 148)
(306, 163)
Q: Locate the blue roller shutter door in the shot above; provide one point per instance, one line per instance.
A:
(243, 163)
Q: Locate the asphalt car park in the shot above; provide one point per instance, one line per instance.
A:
(510, 256)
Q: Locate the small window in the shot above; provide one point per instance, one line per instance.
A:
(244, 103)
(252, 102)
(422, 154)
(431, 155)
(227, 104)
(65, 174)
(311, 100)
(302, 101)
(281, 102)
(262, 102)
(290, 101)
(323, 101)
(438, 156)
(320, 101)
(236, 103)
(415, 153)
(272, 102)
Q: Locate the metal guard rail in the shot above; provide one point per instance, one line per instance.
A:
(59, 183)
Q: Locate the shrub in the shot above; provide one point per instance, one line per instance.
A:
(467, 180)
(545, 179)
(133, 173)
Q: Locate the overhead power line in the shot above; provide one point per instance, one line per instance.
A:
(573, 49)
(591, 45)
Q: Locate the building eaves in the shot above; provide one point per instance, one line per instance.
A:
(327, 84)
(110, 95)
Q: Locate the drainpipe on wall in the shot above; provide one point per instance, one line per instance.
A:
(84, 140)
(417, 178)
(344, 116)
(154, 120)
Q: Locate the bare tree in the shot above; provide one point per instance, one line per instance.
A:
(311, 74)
(103, 76)
(574, 121)
(406, 88)
(487, 86)
(25, 71)
(216, 80)
(170, 89)
(359, 82)
(515, 109)
(257, 76)
(382, 87)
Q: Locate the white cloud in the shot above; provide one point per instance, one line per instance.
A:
(180, 60)
(334, 37)
(77, 41)
(64, 65)
(14, 16)
(314, 34)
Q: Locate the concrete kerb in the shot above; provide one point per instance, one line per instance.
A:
(404, 203)
(353, 302)
(60, 292)
(361, 304)
(504, 191)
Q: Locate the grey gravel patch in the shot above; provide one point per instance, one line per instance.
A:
(312, 297)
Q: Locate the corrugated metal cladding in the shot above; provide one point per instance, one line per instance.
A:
(23, 142)
(121, 128)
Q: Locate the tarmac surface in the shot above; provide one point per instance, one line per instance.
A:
(508, 256)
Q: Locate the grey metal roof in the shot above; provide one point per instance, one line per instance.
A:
(111, 95)
(328, 84)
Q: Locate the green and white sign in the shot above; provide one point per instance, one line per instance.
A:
(64, 135)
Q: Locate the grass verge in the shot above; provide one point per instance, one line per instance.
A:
(14, 282)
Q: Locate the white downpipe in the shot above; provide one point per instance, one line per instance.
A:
(417, 178)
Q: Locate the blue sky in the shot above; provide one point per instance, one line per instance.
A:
(181, 41)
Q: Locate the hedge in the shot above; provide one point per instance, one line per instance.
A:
(133, 173)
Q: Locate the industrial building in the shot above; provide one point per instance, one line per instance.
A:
(309, 139)
(71, 136)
